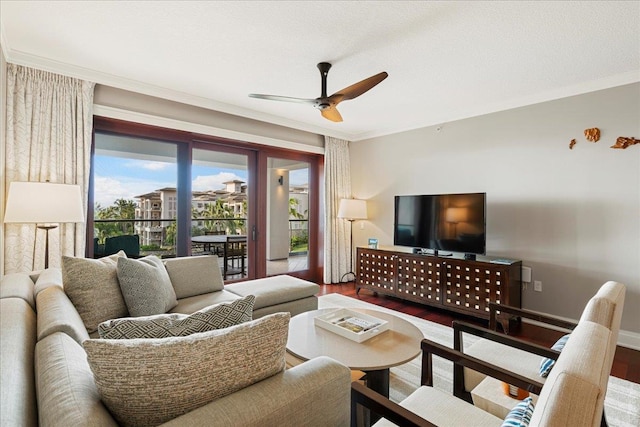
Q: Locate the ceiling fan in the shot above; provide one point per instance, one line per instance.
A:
(327, 104)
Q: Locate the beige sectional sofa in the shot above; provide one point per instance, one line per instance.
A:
(46, 378)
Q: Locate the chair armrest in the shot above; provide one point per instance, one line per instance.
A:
(430, 348)
(462, 327)
(519, 312)
(362, 395)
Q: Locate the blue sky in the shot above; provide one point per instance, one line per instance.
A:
(118, 178)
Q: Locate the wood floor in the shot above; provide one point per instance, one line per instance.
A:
(626, 364)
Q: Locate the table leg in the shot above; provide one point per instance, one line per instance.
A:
(377, 381)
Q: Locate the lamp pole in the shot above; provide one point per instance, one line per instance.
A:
(350, 253)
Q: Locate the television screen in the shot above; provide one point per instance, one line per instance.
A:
(447, 222)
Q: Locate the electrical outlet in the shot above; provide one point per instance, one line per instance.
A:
(361, 225)
(537, 285)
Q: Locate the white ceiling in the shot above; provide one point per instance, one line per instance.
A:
(446, 60)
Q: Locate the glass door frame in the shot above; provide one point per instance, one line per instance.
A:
(186, 142)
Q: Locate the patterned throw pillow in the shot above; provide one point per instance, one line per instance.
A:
(92, 286)
(217, 316)
(520, 415)
(546, 364)
(146, 382)
(146, 286)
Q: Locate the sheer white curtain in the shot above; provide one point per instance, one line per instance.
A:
(48, 135)
(337, 184)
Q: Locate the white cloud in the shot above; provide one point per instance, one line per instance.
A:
(213, 182)
(155, 166)
(108, 189)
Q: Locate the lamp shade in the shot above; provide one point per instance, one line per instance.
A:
(43, 202)
(352, 209)
(456, 215)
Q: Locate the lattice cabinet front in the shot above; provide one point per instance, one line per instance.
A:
(419, 278)
(462, 285)
(377, 271)
(470, 285)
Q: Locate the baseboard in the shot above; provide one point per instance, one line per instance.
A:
(626, 339)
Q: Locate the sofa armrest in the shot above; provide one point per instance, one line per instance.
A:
(314, 393)
(494, 308)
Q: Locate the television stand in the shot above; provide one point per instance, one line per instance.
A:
(461, 285)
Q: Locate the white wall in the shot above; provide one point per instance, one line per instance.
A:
(572, 215)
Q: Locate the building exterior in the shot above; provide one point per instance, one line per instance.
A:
(156, 211)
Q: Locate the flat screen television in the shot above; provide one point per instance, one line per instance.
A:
(441, 222)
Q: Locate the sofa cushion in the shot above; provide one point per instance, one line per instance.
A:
(49, 277)
(92, 286)
(67, 394)
(520, 415)
(274, 290)
(192, 304)
(546, 364)
(149, 381)
(195, 275)
(18, 285)
(443, 409)
(57, 314)
(146, 286)
(178, 325)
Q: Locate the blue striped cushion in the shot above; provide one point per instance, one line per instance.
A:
(520, 415)
(546, 364)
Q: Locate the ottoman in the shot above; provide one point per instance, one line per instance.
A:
(278, 293)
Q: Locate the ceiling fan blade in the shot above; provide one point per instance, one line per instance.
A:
(359, 88)
(331, 114)
(282, 98)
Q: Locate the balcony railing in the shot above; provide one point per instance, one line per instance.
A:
(158, 235)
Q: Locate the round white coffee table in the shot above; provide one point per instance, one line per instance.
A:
(395, 346)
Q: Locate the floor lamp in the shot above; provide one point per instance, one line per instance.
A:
(351, 210)
(44, 204)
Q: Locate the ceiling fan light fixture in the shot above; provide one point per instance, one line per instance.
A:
(327, 104)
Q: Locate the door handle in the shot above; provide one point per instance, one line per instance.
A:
(254, 233)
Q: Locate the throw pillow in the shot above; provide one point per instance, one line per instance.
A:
(546, 364)
(194, 275)
(145, 286)
(520, 415)
(217, 316)
(145, 382)
(92, 286)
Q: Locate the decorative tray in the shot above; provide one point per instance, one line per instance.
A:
(351, 324)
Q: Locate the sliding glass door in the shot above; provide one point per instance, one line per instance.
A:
(287, 216)
(174, 193)
(220, 208)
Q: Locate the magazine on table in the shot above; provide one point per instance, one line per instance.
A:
(351, 324)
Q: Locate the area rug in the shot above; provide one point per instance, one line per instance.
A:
(622, 403)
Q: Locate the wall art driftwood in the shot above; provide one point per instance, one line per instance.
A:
(592, 134)
(623, 142)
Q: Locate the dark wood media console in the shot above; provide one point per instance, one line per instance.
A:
(461, 285)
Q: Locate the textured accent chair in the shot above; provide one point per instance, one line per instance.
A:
(572, 395)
